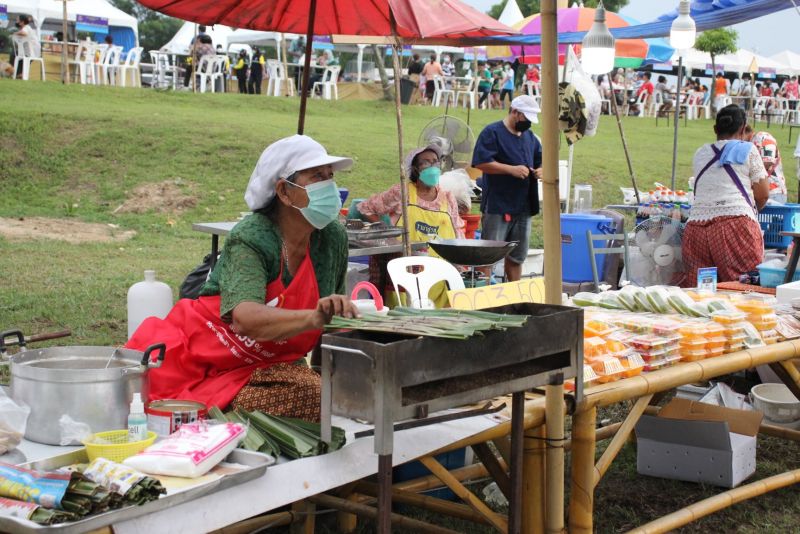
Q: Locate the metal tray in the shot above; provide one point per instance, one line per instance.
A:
(256, 463)
(357, 232)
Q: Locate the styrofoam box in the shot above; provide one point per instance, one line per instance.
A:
(694, 451)
(786, 292)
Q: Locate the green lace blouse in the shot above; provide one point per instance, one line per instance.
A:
(251, 259)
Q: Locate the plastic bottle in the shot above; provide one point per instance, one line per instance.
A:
(137, 420)
(147, 299)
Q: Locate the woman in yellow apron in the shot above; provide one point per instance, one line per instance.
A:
(432, 211)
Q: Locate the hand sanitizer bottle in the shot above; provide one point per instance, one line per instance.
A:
(137, 420)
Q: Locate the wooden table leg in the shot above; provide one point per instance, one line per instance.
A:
(581, 501)
(517, 441)
(385, 494)
(533, 484)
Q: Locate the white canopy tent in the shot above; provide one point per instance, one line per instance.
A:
(790, 59)
(740, 61)
(49, 13)
(511, 13)
(182, 40)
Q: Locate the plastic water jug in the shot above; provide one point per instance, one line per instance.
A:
(582, 198)
(148, 298)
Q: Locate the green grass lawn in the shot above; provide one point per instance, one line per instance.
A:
(77, 153)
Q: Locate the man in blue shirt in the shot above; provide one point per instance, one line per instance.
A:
(510, 157)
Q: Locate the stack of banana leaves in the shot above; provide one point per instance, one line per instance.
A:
(274, 435)
(128, 486)
(443, 323)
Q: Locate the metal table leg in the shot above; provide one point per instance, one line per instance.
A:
(517, 442)
(385, 493)
(214, 249)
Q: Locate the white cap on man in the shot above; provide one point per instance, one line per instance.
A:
(528, 106)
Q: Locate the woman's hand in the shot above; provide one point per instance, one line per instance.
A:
(327, 307)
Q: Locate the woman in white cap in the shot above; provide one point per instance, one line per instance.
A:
(278, 281)
(432, 211)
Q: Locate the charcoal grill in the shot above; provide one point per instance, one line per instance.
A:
(384, 378)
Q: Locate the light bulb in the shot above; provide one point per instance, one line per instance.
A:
(597, 48)
(683, 30)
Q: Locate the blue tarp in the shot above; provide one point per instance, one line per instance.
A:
(707, 15)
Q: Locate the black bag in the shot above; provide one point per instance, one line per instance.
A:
(533, 193)
(194, 282)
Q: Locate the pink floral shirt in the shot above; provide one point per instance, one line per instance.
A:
(388, 203)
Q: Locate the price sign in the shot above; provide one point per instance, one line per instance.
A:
(479, 298)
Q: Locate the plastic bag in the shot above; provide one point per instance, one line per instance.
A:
(588, 89)
(13, 420)
(195, 280)
(73, 432)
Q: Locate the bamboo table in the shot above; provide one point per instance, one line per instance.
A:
(587, 472)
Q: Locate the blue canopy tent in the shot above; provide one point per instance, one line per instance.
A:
(707, 15)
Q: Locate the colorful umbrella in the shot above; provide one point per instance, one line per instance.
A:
(631, 53)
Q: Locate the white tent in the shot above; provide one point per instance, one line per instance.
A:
(790, 59)
(180, 42)
(511, 13)
(740, 61)
(49, 13)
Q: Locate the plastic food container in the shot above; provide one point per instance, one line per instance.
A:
(608, 369)
(727, 317)
(716, 351)
(594, 347)
(671, 352)
(691, 331)
(755, 303)
(716, 343)
(633, 364)
(714, 329)
(655, 365)
(770, 337)
(734, 347)
(597, 328)
(693, 343)
(735, 330)
(764, 322)
(694, 355)
(650, 342)
(665, 327)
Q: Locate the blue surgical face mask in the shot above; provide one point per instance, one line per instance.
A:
(324, 203)
(430, 176)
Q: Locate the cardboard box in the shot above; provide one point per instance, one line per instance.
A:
(698, 442)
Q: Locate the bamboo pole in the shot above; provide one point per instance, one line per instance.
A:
(718, 502)
(779, 432)
(533, 494)
(194, 61)
(554, 463)
(288, 81)
(620, 438)
(687, 373)
(439, 506)
(497, 521)
(304, 509)
(469, 472)
(64, 40)
(551, 207)
(581, 505)
(254, 523)
(337, 503)
(397, 49)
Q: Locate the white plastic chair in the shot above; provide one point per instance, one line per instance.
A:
(131, 66)
(417, 286)
(277, 79)
(641, 105)
(468, 94)
(25, 53)
(218, 72)
(205, 70)
(110, 65)
(327, 85)
(654, 104)
(441, 90)
(531, 88)
(163, 67)
(81, 54)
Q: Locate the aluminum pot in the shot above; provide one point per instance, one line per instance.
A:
(93, 385)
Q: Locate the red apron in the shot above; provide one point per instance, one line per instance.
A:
(205, 360)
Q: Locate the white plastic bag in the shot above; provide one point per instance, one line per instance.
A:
(13, 420)
(588, 89)
(73, 432)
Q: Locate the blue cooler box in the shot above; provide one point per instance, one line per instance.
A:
(575, 261)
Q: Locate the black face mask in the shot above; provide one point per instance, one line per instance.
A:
(522, 126)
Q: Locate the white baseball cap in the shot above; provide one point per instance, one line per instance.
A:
(528, 106)
(283, 158)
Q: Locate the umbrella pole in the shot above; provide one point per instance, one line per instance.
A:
(312, 14)
(677, 117)
(624, 141)
(64, 65)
